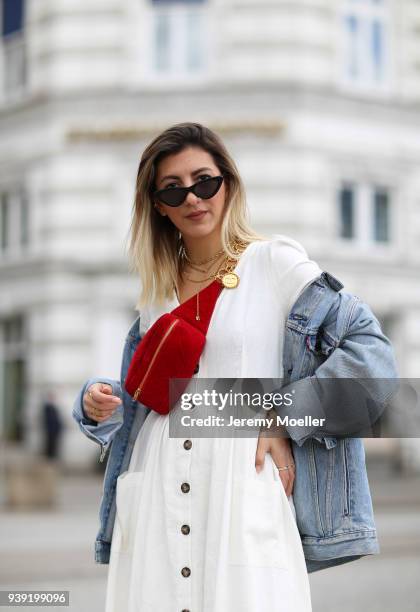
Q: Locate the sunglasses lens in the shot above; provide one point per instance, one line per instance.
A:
(175, 196)
(172, 197)
(208, 188)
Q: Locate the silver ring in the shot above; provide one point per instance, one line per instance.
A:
(285, 467)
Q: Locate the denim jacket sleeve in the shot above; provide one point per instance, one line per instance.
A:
(348, 343)
(103, 432)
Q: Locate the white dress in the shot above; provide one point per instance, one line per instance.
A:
(197, 529)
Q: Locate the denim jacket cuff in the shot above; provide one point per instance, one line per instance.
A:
(100, 432)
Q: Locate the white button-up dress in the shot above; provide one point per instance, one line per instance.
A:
(197, 529)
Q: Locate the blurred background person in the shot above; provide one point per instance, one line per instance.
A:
(52, 426)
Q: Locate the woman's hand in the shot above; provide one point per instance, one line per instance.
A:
(99, 403)
(281, 451)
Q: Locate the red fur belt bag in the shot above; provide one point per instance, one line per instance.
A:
(171, 348)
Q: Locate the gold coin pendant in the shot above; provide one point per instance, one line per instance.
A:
(230, 280)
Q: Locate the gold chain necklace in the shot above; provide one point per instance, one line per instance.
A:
(212, 276)
(228, 277)
(202, 270)
(224, 273)
(203, 261)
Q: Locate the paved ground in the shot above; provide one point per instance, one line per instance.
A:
(54, 550)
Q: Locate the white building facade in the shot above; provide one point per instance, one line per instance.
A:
(317, 100)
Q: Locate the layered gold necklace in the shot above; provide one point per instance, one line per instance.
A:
(224, 272)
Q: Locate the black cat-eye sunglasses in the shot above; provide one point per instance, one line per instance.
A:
(175, 196)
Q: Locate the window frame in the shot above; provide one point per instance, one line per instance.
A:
(12, 354)
(178, 14)
(364, 215)
(13, 60)
(18, 221)
(365, 12)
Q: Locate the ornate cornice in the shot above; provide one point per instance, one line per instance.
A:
(134, 131)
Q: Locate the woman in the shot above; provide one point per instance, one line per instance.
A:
(206, 524)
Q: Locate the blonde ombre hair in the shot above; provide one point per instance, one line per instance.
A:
(154, 241)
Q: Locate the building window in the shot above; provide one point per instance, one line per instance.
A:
(365, 42)
(161, 42)
(12, 377)
(347, 212)
(12, 16)
(364, 213)
(378, 51)
(178, 37)
(352, 35)
(14, 221)
(23, 218)
(194, 49)
(380, 215)
(13, 48)
(4, 221)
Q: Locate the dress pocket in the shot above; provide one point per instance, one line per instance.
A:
(129, 486)
(257, 524)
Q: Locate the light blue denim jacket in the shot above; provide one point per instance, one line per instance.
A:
(331, 493)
